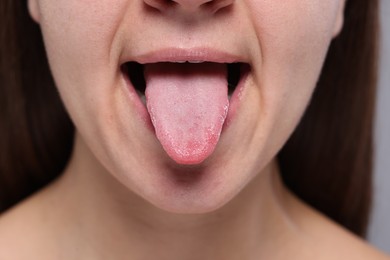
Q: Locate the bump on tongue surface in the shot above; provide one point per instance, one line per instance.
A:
(188, 104)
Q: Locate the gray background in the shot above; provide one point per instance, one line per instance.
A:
(379, 234)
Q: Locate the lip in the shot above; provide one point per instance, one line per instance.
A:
(200, 54)
(196, 55)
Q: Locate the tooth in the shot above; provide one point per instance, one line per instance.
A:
(181, 61)
(141, 96)
(143, 99)
(195, 61)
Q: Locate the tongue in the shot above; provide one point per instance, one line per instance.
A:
(188, 104)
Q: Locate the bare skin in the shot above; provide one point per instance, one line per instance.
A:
(121, 196)
(79, 217)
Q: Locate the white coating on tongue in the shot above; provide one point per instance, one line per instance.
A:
(188, 104)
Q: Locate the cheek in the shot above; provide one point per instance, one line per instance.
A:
(294, 37)
(80, 38)
(79, 34)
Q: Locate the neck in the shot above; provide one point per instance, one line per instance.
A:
(106, 220)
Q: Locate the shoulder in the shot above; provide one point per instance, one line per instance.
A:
(24, 232)
(329, 240)
(339, 243)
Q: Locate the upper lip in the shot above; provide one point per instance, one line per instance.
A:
(187, 55)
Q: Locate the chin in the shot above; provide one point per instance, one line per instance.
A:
(184, 189)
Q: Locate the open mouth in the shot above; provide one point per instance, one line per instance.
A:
(188, 102)
(134, 71)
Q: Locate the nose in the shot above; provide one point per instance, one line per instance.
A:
(211, 6)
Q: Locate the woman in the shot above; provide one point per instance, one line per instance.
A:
(187, 116)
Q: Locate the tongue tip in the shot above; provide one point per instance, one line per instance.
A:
(190, 156)
(189, 159)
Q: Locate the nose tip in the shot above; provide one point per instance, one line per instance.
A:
(189, 5)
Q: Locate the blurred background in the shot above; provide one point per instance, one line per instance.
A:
(379, 233)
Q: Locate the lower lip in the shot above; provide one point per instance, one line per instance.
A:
(234, 100)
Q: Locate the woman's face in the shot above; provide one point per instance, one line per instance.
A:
(280, 45)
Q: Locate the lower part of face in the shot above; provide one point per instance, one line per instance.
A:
(279, 45)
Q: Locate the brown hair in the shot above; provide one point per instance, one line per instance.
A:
(35, 132)
(327, 161)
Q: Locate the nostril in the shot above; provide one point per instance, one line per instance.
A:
(208, 4)
(160, 5)
(216, 6)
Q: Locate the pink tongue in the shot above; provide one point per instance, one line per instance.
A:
(188, 104)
